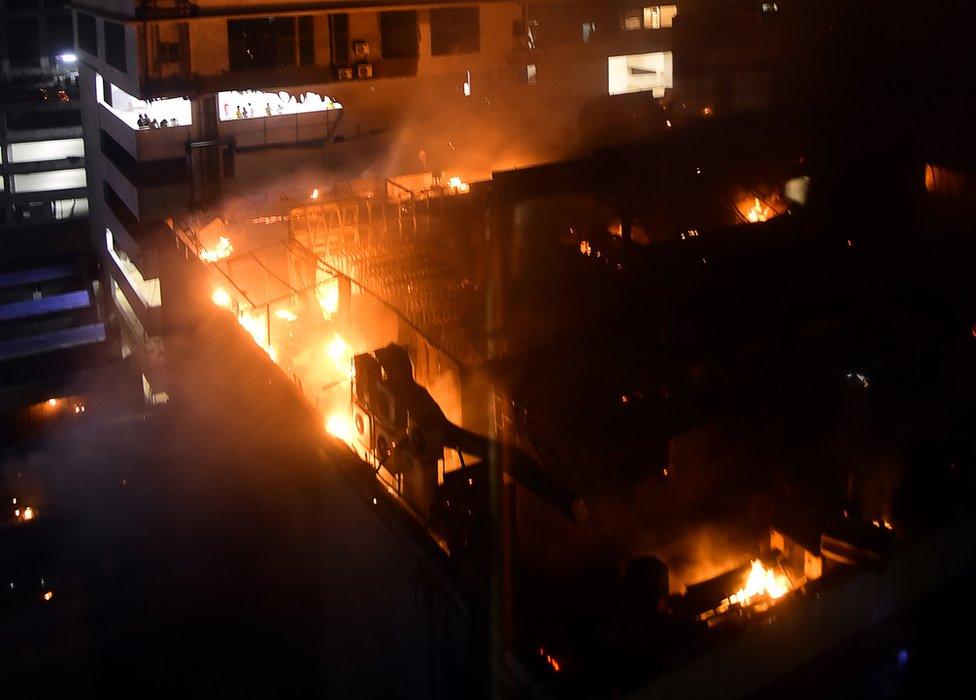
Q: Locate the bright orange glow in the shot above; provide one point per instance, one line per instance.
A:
(315, 193)
(550, 659)
(286, 315)
(222, 250)
(257, 327)
(340, 352)
(221, 298)
(459, 185)
(27, 514)
(48, 595)
(762, 582)
(328, 296)
(339, 424)
(758, 212)
(52, 402)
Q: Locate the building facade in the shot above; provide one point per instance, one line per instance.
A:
(189, 106)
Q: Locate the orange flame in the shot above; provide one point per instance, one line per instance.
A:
(459, 185)
(761, 582)
(222, 250)
(339, 424)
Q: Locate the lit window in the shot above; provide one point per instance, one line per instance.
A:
(69, 208)
(147, 290)
(255, 103)
(45, 150)
(530, 74)
(640, 73)
(659, 16)
(47, 181)
(632, 20)
(173, 111)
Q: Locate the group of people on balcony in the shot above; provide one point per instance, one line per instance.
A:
(146, 122)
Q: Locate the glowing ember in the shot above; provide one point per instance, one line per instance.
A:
(340, 425)
(762, 582)
(459, 185)
(550, 659)
(759, 212)
(221, 298)
(48, 595)
(222, 250)
(25, 514)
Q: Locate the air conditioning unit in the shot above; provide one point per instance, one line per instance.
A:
(345, 73)
(363, 426)
(360, 49)
(364, 70)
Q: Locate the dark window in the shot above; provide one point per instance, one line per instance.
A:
(87, 34)
(115, 45)
(256, 44)
(21, 5)
(22, 49)
(60, 36)
(399, 35)
(306, 41)
(339, 38)
(455, 30)
(43, 119)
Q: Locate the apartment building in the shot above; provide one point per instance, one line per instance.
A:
(42, 167)
(51, 332)
(187, 107)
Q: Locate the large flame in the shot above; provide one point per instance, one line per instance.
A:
(328, 296)
(761, 582)
(459, 185)
(222, 250)
(339, 424)
(340, 352)
(221, 298)
(758, 212)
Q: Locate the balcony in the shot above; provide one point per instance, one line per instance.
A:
(145, 144)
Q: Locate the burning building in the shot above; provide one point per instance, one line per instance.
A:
(563, 376)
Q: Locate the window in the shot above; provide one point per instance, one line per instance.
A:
(45, 150)
(530, 74)
(589, 28)
(256, 44)
(115, 45)
(659, 16)
(69, 208)
(22, 40)
(455, 30)
(306, 41)
(60, 36)
(339, 38)
(146, 290)
(633, 20)
(87, 34)
(399, 35)
(50, 180)
(640, 73)
(175, 110)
